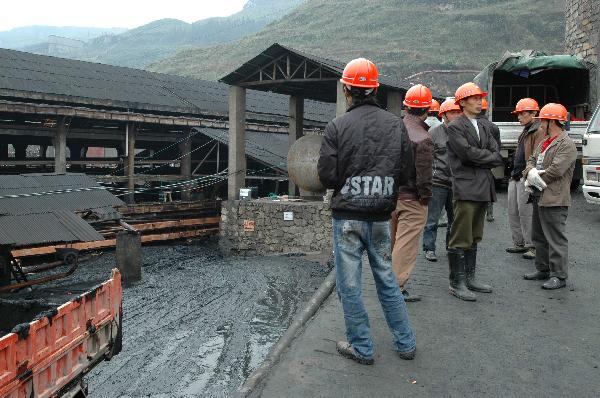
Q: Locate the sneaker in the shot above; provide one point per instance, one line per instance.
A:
(346, 350)
(529, 254)
(517, 249)
(409, 355)
(430, 255)
(408, 298)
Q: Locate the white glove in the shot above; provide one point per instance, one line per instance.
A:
(528, 187)
(534, 178)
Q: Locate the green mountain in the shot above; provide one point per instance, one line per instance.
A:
(402, 36)
(159, 39)
(23, 37)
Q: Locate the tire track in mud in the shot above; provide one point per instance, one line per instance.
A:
(198, 324)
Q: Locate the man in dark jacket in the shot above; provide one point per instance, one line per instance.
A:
(364, 157)
(519, 210)
(472, 152)
(410, 215)
(442, 180)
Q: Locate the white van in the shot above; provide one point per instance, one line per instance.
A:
(591, 160)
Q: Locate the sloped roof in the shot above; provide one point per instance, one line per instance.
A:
(324, 90)
(65, 81)
(41, 208)
(268, 148)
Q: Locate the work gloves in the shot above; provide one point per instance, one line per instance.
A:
(534, 179)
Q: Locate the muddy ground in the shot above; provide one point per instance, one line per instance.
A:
(198, 323)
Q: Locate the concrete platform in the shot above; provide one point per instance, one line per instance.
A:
(520, 341)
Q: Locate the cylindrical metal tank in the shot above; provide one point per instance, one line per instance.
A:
(302, 163)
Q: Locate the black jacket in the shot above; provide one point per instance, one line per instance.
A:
(472, 159)
(442, 175)
(519, 158)
(365, 156)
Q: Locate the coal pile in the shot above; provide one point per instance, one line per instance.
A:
(198, 324)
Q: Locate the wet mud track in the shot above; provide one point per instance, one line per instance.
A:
(198, 324)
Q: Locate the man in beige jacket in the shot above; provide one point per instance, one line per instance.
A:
(548, 173)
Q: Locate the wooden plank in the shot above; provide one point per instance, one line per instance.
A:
(109, 243)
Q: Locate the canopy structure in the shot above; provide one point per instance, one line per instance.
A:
(284, 70)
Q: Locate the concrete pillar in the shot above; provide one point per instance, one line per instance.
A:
(4, 151)
(130, 162)
(340, 104)
(129, 256)
(237, 143)
(185, 147)
(60, 147)
(296, 130)
(20, 151)
(394, 102)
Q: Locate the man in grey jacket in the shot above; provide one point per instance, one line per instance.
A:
(442, 180)
(473, 153)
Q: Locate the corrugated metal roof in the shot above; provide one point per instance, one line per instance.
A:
(60, 226)
(40, 208)
(32, 76)
(42, 193)
(268, 148)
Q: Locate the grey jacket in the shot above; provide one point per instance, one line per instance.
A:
(442, 175)
(418, 185)
(471, 160)
(558, 164)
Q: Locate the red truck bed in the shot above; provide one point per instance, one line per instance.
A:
(49, 356)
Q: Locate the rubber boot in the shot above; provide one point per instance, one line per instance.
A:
(470, 266)
(458, 287)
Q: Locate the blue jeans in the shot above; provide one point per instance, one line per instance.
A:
(442, 198)
(350, 239)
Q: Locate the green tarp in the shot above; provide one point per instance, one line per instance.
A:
(539, 61)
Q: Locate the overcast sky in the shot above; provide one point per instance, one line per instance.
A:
(110, 13)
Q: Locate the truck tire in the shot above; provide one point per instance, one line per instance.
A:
(575, 182)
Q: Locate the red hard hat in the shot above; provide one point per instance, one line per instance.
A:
(418, 96)
(435, 106)
(484, 104)
(526, 104)
(448, 105)
(468, 90)
(362, 73)
(553, 112)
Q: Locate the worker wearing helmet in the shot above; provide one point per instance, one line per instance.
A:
(442, 180)
(549, 172)
(472, 152)
(434, 119)
(410, 215)
(364, 157)
(519, 210)
(496, 133)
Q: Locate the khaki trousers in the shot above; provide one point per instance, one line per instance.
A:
(406, 227)
(467, 228)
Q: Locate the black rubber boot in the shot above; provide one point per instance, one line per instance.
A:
(470, 266)
(458, 287)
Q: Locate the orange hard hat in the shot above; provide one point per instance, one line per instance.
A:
(553, 111)
(484, 104)
(362, 73)
(418, 96)
(448, 105)
(435, 106)
(468, 90)
(526, 104)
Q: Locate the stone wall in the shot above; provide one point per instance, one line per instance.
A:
(582, 37)
(258, 227)
(582, 23)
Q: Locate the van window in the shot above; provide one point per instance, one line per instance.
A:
(595, 122)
